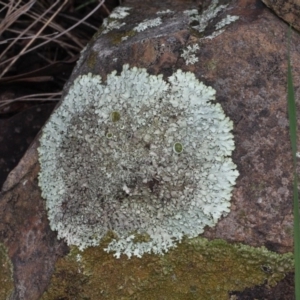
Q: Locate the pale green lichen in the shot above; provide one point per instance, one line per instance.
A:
(112, 22)
(200, 21)
(227, 20)
(108, 161)
(165, 12)
(6, 273)
(109, 25)
(196, 269)
(120, 12)
(189, 54)
(147, 23)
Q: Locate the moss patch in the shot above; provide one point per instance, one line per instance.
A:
(6, 271)
(117, 37)
(212, 65)
(92, 59)
(196, 269)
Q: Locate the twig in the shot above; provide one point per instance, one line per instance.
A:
(57, 36)
(37, 34)
(12, 17)
(32, 98)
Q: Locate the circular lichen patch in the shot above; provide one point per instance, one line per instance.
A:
(135, 183)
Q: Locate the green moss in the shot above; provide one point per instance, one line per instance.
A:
(140, 238)
(97, 34)
(6, 271)
(116, 37)
(195, 33)
(289, 230)
(257, 188)
(242, 215)
(92, 59)
(196, 269)
(211, 65)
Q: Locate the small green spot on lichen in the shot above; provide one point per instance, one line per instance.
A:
(178, 148)
(6, 271)
(109, 135)
(115, 116)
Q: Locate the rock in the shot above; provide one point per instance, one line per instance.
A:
(24, 229)
(288, 10)
(246, 65)
(244, 61)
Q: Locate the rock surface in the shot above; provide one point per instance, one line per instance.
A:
(246, 64)
(288, 10)
(32, 246)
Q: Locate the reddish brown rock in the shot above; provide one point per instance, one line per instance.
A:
(246, 64)
(32, 246)
(288, 10)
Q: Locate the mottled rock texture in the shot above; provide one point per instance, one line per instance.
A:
(246, 65)
(288, 10)
(24, 229)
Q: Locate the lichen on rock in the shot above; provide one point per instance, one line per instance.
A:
(113, 22)
(145, 158)
(147, 23)
(200, 21)
(120, 12)
(189, 54)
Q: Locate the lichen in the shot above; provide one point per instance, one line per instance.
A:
(200, 21)
(165, 12)
(6, 271)
(112, 22)
(120, 12)
(189, 54)
(197, 269)
(227, 20)
(147, 23)
(81, 58)
(108, 161)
